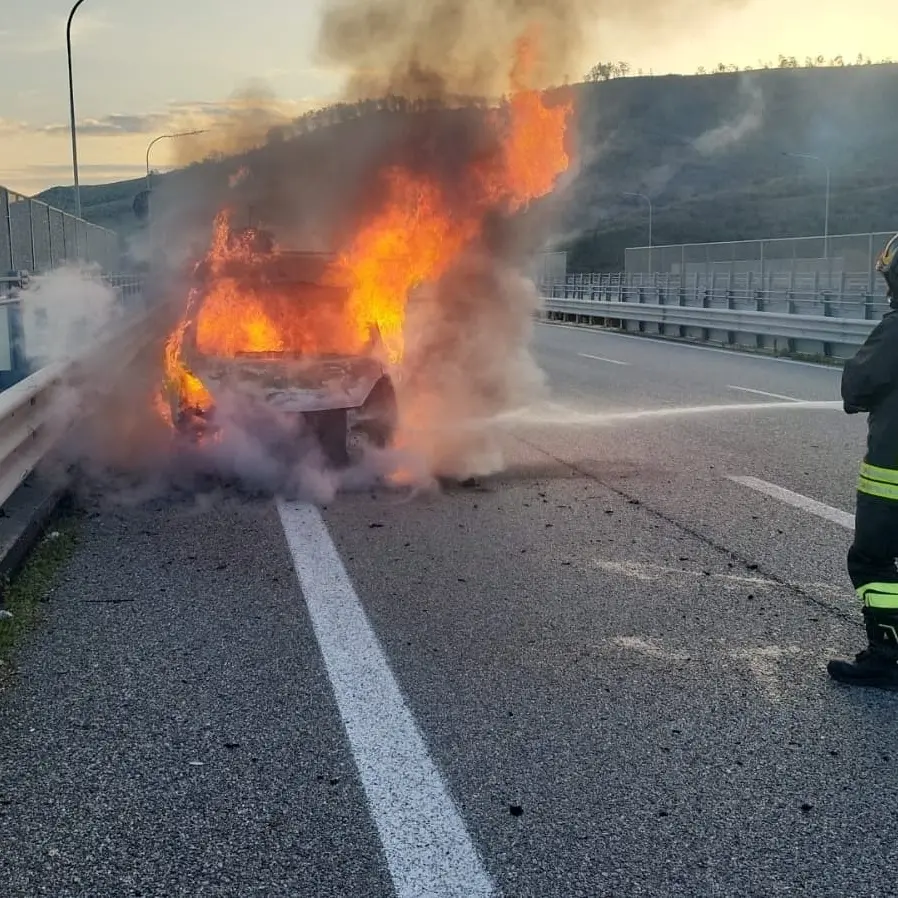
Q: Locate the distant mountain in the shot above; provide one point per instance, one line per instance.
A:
(108, 205)
(708, 150)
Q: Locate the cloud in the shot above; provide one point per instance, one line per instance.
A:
(8, 126)
(114, 125)
(179, 116)
(87, 166)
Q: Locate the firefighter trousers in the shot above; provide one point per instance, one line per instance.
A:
(872, 568)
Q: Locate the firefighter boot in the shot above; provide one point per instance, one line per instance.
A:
(876, 665)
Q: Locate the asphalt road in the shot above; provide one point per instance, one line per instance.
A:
(599, 673)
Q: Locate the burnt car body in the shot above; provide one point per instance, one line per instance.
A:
(339, 399)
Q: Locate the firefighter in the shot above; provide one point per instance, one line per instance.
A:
(870, 385)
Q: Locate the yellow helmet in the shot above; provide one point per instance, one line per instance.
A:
(886, 257)
(887, 265)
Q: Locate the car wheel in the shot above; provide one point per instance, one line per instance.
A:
(333, 437)
(378, 416)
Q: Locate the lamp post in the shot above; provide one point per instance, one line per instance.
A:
(68, 41)
(163, 137)
(149, 147)
(648, 200)
(828, 183)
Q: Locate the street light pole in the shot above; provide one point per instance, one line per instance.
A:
(648, 200)
(828, 187)
(162, 137)
(68, 41)
(149, 147)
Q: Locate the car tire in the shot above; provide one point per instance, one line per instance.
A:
(380, 414)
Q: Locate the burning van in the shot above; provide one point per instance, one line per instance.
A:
(268, 344)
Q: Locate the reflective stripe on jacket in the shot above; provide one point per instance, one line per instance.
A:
(876, 481)
(879, 595)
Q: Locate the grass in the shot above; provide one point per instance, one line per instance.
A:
(29, 590)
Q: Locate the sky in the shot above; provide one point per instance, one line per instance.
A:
(148, 67)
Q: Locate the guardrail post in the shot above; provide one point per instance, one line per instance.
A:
(730, 301)
(12, 254)
(827, 313)
(706, 304)
(682, 300)
(790, 310)
(869, 301)
(760, 298)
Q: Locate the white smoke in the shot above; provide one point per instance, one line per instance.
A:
(721, 138)
(468, 360)
(64, 312)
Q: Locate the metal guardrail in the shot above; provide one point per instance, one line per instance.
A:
(18, 358)
(35, 413)
(825, 324)
(849, 290)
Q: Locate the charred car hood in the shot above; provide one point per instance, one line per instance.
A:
(291, 384)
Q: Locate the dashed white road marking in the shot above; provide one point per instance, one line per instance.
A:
(601, 358)
(427, 848)
(764, 662)
(652, 339)
(552, 413)
(649, 647)
(827, 512)
(764, 393)
(647, 572)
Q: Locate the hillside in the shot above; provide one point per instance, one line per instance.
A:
(708, 149)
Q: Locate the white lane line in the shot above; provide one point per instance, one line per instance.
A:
(601, 358)
(827, 512)
(764, 393)
(651, 339)
(428, 850)
(552, 413)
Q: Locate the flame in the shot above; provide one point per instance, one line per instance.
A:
(414, 239)
(533, 151)
(185, 386)
(232, 320)
(417, 235)
(240, 307)
(411, 241)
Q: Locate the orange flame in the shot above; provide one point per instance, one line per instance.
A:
(414, 239)
(180, 382)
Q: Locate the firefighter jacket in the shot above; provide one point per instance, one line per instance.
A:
(870, 384)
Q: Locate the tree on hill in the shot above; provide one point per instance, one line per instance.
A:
(605, 71)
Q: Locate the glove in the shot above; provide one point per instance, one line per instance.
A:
(852, 409)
